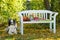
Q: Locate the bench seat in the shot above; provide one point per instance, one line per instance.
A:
(39, 21)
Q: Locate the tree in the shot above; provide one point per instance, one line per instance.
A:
(52, 5)
(9, 9)
(47, 4)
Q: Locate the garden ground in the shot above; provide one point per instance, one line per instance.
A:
(32, 33)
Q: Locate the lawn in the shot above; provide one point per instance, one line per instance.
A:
(32, 32)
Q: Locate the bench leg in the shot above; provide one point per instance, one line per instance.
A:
(54, 27)
(21, 28)
(50, 26)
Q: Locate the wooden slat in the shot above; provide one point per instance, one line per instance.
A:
(46, 16)
(36, 14)
(41, 21)
(39, 15)
(26, 14)
(42, 15)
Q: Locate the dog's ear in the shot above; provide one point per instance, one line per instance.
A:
(14, 21)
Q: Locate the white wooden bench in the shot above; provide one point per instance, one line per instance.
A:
(49, 17)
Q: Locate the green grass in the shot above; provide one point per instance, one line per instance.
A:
(32, 32)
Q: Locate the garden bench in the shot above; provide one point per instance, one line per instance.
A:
(44, 16)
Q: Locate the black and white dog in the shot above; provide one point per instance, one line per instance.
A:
(12, 27)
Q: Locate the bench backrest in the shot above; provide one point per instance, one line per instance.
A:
(45, 14)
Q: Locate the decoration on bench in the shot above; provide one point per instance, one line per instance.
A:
(31, 17)
(25, 18)
(36, 18)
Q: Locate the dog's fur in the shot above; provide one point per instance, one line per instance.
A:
(12, 27)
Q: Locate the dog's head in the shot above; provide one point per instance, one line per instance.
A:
(11, 22)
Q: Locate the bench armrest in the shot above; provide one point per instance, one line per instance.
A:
(55, 14)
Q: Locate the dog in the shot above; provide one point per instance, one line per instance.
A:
(12, 27)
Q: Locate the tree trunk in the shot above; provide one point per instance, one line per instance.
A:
(52, 5)
(47, 4)
(28, 5)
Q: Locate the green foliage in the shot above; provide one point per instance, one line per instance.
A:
(56, 8)
(35, 4)
(10, 9)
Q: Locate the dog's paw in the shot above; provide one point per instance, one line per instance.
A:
(10, 33)
(15, 32)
